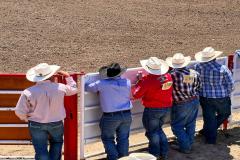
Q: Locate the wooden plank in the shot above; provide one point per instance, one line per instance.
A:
(8, 100)
(14, 133)
(235, 99)
(92, 130)
(14, 142)
(14, 83)
(90, 99)
(8, 117)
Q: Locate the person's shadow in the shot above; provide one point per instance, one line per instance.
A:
(202, 151)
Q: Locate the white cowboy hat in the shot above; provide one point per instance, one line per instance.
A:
(139, 156)
(207, 54)
(143, 156)
(41, 72)
(178, 60)
(155, 66)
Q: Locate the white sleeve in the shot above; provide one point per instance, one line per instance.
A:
(71, 86)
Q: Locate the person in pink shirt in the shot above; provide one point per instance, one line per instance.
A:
(42, 106)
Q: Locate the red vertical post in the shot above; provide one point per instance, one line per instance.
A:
(230, 62)
(71, 126)
(230, 66)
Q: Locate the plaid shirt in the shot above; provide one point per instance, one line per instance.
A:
(186, 83)
(216, 80)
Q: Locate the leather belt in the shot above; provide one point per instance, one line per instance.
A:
(118, 112)
(186, 100)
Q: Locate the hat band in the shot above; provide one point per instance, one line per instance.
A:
(152, 68)
(207, 54)
(42, 74)
(178, 61)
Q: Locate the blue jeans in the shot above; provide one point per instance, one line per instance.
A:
(153, 119)
(40, 133)
(215, 111)
(183, 123)
(118, 124)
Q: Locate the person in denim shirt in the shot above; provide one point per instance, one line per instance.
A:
(114, 92)
(186, 84)
(155, 90)
(217, 85)
(42, 106)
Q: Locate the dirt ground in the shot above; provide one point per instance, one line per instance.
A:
(225, 149)
(82, 35)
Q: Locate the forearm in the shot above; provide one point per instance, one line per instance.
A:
(71, 86)
(21, 116)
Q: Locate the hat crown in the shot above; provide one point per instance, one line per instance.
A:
(113, 70)
(154, 63)
(42, 69)
(178, 58)
(208, 52)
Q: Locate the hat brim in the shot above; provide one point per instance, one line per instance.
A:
(200, 58)
(164, 67)
(31, 75)
(187, 60)
(103, 72)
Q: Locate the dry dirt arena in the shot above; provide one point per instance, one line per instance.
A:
(82, 35)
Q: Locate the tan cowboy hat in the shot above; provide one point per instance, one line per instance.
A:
(155, 66)
(41, 72)
(178, 60)
(111, 71)
(207, 54)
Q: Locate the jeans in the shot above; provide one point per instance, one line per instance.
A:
(215, 111)
(115, 128)
(153, 119)
(40, 133)
(183, 123)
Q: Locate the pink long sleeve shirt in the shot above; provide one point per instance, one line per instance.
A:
(44, 102)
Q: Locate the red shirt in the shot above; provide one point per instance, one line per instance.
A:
(155, 91)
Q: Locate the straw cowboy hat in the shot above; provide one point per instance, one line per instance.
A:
(178, 60)
(41, 72)
(111, 71)
(207, 54)
(139, 156)
(155, 66)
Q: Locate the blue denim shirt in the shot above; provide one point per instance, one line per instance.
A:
(114, 93)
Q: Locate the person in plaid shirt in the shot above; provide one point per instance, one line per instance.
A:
(186, 83)
(217, 85)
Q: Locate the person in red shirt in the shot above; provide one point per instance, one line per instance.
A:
(155, 89)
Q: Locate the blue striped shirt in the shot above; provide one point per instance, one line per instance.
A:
(217, 81)
(114, 93)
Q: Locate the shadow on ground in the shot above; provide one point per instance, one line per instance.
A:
(202, 151)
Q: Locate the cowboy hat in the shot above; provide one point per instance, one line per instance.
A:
(178, 60)
(207, 54)
(41, 72)
(111, 71)
(156, 66)
(139, 156)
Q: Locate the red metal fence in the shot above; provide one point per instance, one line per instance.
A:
(14, 131)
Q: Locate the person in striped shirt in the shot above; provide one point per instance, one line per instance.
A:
(217, 85)
(186, 83)
(42, 106)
